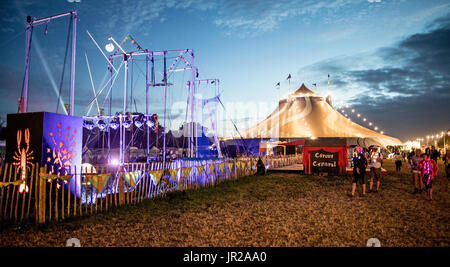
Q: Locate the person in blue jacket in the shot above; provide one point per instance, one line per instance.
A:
(359, 169)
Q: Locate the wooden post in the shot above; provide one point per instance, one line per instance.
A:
(141, 182)
(25, 193)
(56, 199)
(96, 193)
(33, 168)
(17, 200)
(121, 189)
(107, 196)
(62, 199)
(5, 169)
(50, 200)
(42, 201)
(36, 194)
(85, 196)
(91, 190)
(7, 192)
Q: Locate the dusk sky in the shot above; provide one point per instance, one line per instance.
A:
(388, 59)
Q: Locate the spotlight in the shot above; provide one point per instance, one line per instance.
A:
(101, 125)
(114, 124)
(127, 123)
(150, 123)
(139, 121)
(88, 125)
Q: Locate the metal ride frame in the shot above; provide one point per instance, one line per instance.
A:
(216, 93)
(31, 22)
(150, 82)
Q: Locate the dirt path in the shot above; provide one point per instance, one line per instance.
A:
(274, 210)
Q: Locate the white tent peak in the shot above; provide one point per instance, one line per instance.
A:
(306, 114)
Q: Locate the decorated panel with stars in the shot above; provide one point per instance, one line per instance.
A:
(62, 142)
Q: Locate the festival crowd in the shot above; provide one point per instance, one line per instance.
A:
(423, 168)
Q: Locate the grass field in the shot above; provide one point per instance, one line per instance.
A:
(272, 210)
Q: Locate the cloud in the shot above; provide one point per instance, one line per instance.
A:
(233, 16)
(405, 86)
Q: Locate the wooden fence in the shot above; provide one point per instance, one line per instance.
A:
(99, 188)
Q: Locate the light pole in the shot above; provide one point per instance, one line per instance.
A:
(445, 143)
(110, 48)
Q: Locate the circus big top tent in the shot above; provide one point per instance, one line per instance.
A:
(305, 114)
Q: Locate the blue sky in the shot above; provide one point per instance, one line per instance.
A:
(377, 52)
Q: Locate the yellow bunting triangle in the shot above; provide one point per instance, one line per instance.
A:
(211, 168)
(200, 169)
(4, 184)
(173, 174)
(98, 180)
(156, 176)
(186, 172)
(46, 176)
(230, 166)
(221, 165)
(240, 164)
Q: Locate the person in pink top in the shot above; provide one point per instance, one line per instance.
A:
(428, 170)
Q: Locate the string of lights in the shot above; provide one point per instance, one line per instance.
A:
(433, 139)
(369, 123)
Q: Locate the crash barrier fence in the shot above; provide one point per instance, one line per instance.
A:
(36, 194)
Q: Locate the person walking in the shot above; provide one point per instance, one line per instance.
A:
(415, 171)
(434, 154)
(376, 161)
(428, 170)
(397, 158)
(446, 159)
(359, 170)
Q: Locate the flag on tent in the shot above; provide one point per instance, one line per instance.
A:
(277, 86)
(186, 172)
(328, 79)
(289, 77)
(98, 181)
(173, 174)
